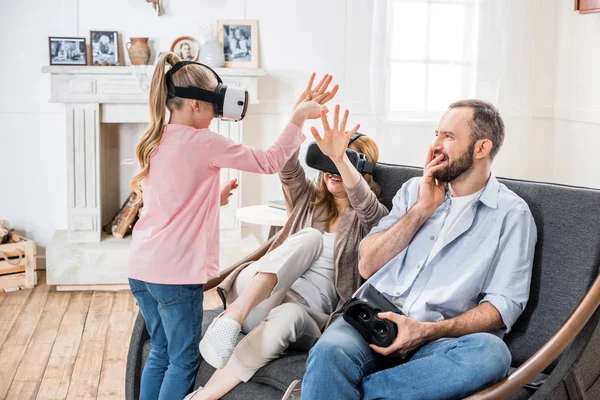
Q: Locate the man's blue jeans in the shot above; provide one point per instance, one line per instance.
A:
(173, 315)
(342, 366)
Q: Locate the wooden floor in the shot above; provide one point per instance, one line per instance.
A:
(66, 345)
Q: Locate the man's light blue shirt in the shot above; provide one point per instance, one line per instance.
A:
(486, 256)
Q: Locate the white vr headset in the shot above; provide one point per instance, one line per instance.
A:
(230, 102)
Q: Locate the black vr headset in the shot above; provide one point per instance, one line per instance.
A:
(230, 102)
(317, 160)
(361, 312)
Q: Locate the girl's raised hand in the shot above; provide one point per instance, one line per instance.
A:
(311, 93)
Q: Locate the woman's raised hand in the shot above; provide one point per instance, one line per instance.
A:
(335, 138)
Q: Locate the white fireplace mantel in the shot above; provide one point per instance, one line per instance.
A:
(93, 96)
(114, 87)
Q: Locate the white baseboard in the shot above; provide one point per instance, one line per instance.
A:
(98, 288)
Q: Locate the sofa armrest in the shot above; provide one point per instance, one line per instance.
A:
(549, 351)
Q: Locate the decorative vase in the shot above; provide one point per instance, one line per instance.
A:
(139, 52)
(212, 55)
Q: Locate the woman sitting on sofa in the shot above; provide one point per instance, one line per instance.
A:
(286, 292)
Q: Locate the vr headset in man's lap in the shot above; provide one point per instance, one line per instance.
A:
(361, 312)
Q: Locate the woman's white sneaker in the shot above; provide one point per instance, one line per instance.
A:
(219, 341)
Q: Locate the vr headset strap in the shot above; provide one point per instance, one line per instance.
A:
(354, 137)
(191, 92)
(182, 64)
(365, 167)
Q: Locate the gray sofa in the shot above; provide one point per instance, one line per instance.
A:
(566, 267)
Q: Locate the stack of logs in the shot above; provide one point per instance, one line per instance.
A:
(124, 220)
(7, 235)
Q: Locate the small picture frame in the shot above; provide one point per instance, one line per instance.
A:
(105, 47)
(240, 42)
(67, 50)
(186, 47)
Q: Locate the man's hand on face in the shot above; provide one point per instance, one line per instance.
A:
(431, 191)
(411, 334)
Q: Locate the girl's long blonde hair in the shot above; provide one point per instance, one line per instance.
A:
(189, 75)
(365, 145)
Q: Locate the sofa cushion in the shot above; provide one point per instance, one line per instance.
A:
(567, 259)
(391, 178)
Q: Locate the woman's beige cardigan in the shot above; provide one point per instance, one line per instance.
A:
(357, 220)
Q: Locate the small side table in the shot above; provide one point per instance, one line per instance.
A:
(262, 215)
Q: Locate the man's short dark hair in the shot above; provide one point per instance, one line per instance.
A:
(486, 123)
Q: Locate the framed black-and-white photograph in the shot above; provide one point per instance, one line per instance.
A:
(186, 47)
(240, 42)
(67, 51)
(105, 48)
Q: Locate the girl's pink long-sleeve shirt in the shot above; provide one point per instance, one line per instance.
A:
(176, 239)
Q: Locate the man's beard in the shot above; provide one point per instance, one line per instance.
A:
(456, 168)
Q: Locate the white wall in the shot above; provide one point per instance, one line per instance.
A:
(33, 192)
(547, 45)
(519, 78)
(577, 102)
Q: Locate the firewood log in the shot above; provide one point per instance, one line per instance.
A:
(123, 222)
(8, 235)
(4, 235)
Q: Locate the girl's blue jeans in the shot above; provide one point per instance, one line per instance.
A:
(173, 316)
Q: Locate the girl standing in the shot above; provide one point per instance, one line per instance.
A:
(175, 244)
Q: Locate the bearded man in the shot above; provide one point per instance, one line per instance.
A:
(455, 255)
